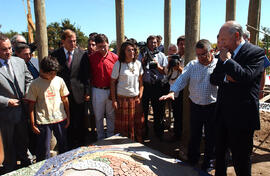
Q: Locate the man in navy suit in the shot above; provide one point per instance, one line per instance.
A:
(238, 74)
(74, 68)
(23, 51)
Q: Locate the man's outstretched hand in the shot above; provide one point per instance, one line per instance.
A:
(168, 96)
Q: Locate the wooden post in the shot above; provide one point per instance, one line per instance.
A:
(254, 14)
(41, 29)
(230, 9)
(167, 25)
(192, 35)
(119, 23)
(29, 18)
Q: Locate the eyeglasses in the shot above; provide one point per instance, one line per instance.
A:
(202, 55)
(101, 46)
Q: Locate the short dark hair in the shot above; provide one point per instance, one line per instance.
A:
(92, 36)
(100, 38)
(151, 37)
(132, 40)
(20, 46)
(204, 44)
(181, 38)
(49, 64)
(122, 54)
(3, 37)
(159, 37)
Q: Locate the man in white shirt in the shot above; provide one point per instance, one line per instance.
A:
(202, 100)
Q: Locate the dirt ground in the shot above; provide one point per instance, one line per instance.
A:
(261, 150)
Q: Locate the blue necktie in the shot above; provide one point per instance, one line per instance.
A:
(32, 69)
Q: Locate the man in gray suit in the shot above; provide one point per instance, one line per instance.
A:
(14, 82)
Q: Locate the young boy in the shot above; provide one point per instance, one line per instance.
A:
(47, 96)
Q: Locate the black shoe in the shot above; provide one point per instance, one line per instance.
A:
(146, 135)
(208, 166)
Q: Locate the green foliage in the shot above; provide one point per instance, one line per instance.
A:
(265, 42)
(267, 31)
(113, 44)
(10, 34)
(55, 30)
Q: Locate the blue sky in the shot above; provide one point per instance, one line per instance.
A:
(142, 17)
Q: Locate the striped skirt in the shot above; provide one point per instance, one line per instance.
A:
(129, 120)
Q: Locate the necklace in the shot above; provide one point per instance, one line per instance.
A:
(131, 68)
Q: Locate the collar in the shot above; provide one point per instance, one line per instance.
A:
(213, 62)
(239, 47)
(102, 55)
(66, 52)
(3, 61)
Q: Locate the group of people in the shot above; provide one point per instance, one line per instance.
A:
(223, 94)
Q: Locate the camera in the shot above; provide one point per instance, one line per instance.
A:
(175, 60)
(33, 47)
(148, 55)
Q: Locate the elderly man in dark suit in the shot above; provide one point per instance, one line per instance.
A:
(14, 82)
(238, 74)
(74, 66)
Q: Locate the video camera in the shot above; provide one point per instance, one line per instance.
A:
(33, 47)
(148, 55)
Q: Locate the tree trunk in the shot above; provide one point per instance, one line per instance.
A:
(192, 35)
(230, 9)
(29, 19)
(119, 4)
(167, 25)
(41, 29)
(254, 14)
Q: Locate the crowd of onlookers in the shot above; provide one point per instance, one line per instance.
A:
(55, 95)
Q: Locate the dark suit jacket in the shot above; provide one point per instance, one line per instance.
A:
(238, 102)
(76, 78)
(8, 90)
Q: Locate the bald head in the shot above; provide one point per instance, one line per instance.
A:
(17, 39)
(234, 27)
(230, 35)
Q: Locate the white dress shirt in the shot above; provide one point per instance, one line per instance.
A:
(201, 92)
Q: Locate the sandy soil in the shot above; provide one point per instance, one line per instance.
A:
(261, 150)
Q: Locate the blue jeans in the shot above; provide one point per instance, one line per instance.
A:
(44, 139)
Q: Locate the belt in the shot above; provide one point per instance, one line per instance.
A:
(121, 96)
(207, 105)
(105, 88)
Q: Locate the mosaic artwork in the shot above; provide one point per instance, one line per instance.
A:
(95, 160)
(115, 156)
